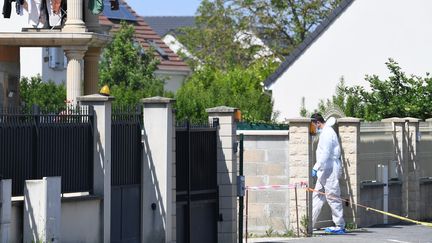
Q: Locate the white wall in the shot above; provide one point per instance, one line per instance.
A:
(358, 43)
(81, 220)
(173, 80)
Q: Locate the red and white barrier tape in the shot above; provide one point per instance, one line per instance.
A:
(277, 187)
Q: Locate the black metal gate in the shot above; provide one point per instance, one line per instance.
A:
(36, 144)
(196, 180)
(126, 154)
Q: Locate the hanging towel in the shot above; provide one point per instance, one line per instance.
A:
(7, 9)
(56, 6)
(53, 17)
(96, 6)
(37, 18)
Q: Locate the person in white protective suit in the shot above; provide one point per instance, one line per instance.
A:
(328, 170)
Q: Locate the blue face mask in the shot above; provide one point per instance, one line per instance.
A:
(319, 130)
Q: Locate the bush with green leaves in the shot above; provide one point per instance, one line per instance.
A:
(128, 69)
(400, 95)
(238, 87)
(47, 95)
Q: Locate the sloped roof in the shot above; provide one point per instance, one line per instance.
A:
(145, 35)
(310, 39)
(165, 24)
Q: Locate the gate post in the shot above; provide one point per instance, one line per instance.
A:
(300, 166)
(158, 194)
(349, 135)
(5, 209)
(101, 156)
(226, 172)
(405, 151)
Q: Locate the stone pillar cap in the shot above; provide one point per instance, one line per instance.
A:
(300, 120)
(348, 119)
(157, 100)
(399, 119)
(429, 120)
(221, 109)
(95, 97)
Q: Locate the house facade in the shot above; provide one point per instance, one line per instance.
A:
(356, 40)
(29, 59)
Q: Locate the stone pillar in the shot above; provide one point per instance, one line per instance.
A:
(349, 135)
(91, 20)
(91, 71)
(42, 210)
(74, 22)
(74, 72)
(158, 170)
(226, 172)
(405, 147)
(411, 182)
(101, 155)
(300, 167)
(5, 210)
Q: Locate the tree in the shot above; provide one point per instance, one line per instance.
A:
(33, 91)
(397, 96)
(212, 40)
(237, 87)
(129, 69)
(283, 24)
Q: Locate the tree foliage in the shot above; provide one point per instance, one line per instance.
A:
(47, 95)
(128, 69)
(237, 87)
(399, 95)
(283, 24)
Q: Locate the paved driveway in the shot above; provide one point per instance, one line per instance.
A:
(378, 234)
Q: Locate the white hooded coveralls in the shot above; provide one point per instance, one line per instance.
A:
(329, 170)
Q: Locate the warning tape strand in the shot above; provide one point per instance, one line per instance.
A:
(305, 186)
(372, 209)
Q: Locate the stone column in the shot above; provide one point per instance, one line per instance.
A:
(74, 72)
(91, 70)
(74, 22)
(5, 210)
(101, 155)
(411, 182)
(91, 20)
(226, 172)
(158, 170)
(42, 210)
(300, 167)
(405, 147)
(349, 135)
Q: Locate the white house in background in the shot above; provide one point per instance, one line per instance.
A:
(168, 26)
(357, 39)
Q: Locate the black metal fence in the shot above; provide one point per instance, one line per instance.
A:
(47, 143)
(126, 146)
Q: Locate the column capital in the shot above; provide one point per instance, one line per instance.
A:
(75, 52)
